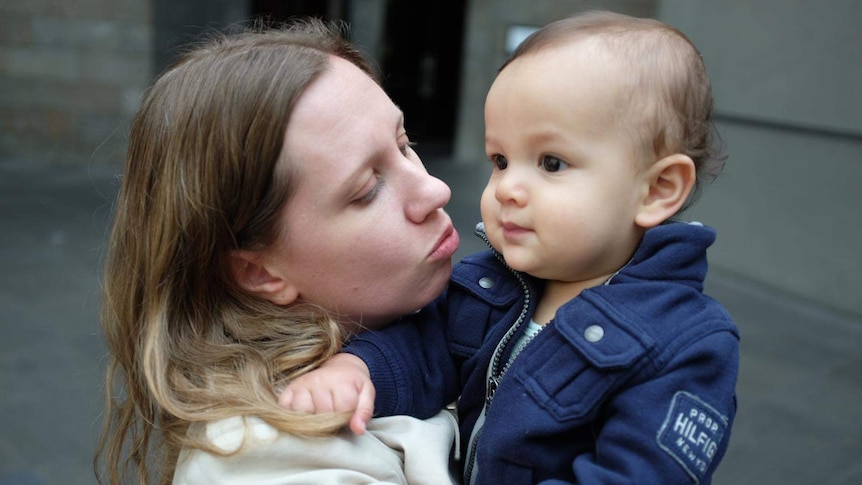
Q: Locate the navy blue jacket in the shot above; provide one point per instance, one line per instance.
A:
(631, 382)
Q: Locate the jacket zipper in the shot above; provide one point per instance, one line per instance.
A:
(493, 376)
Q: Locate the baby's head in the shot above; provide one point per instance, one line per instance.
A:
(659, 96)
(598, 128)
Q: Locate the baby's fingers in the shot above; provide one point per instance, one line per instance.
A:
(299, 400)
(364, 409)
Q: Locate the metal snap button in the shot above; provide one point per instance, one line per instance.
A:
(594, 333)
(486, 282)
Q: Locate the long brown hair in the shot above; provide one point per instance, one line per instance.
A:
(186, 343)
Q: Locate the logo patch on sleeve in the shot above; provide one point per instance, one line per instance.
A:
(691, 433)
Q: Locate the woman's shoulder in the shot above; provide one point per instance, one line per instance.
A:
(228, 435)
(248, 450)
(430, 437)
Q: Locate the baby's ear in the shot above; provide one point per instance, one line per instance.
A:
(250, 272)
(670, 180)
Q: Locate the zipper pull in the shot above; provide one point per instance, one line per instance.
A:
(491, 389)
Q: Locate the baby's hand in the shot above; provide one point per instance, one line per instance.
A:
(341, 384)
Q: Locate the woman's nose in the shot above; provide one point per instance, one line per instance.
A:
(426, 195)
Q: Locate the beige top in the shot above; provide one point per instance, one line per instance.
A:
(394, 450)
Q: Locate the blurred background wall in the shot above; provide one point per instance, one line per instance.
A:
(786, 79)
(71, 73)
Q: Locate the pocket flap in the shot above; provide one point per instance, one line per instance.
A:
(607, 338)
(492, 285)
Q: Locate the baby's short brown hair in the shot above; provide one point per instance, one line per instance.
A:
(667, 101)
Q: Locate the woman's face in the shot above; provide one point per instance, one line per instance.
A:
(364, 234)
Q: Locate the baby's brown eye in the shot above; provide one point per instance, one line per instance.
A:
(499, 161)
(552, 164)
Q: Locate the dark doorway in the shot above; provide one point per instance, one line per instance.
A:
(421, 65)
(420, 59)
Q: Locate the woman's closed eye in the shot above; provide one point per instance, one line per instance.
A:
(369, 190)
(406, 147)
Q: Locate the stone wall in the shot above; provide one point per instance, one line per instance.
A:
(71, 76)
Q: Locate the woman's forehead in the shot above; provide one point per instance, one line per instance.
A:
(342, 120)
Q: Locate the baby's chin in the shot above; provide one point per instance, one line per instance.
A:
(517, 264)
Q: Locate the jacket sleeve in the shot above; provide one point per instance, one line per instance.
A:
(674, 427)
(410, 364)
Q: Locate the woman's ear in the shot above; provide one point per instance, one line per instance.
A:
(670, 180)
(251, 273)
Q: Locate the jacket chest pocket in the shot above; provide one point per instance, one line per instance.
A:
(580, 360)
(486, 302)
